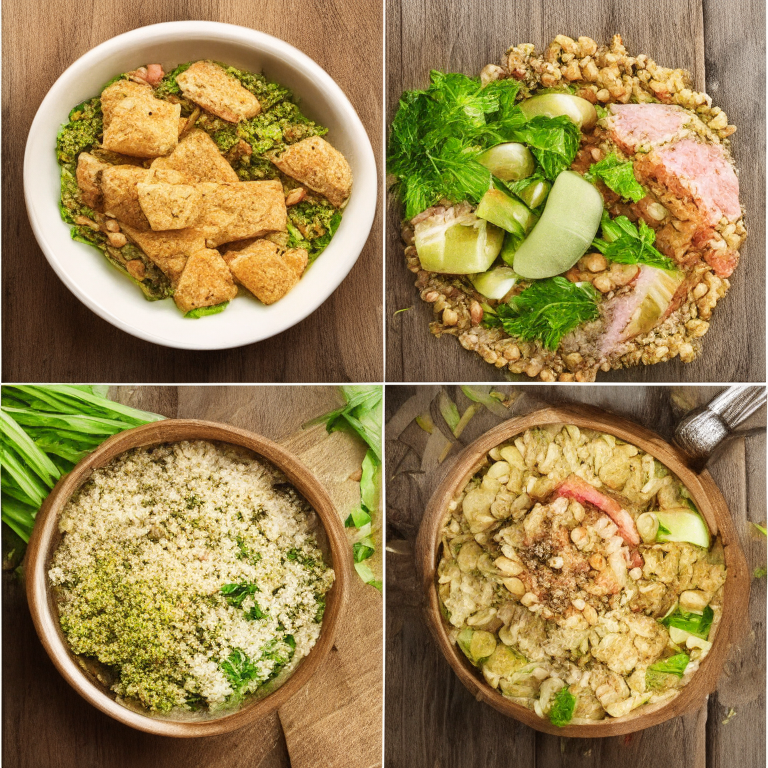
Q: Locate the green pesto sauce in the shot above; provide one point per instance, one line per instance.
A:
(311, 224)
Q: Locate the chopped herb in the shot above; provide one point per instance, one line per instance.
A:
(255, 612)
(362, 550)
(236, 593)
(659, 676)
(239, 670)
(618, 176)
(563, 707)
(547, 310)
(625, 243)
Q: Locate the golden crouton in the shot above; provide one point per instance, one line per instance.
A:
(88, 175)
(170, 206)
(209, 86)
(168, 250)
(206, 281)
(238, 211)
(136, 123)
(315, 163)
(266, 272)
(121, 196)
(199, 159)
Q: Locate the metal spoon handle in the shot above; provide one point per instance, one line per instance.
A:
(702, 430)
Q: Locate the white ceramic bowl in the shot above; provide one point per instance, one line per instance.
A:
(111, 295)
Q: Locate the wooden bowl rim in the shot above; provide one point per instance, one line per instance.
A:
(39, 552)
(708, 499)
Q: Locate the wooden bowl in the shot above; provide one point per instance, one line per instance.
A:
(709, 501)
(46, 537)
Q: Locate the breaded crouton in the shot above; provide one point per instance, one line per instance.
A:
(266, 272)
(170, 206)
(121, 196)
(136, 123)
(205, 281)
(88, 176)
(239, 211)
(199, 159)
(168, 250)
(209, 86)
(316, 164)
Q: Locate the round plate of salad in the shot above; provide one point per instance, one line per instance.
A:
(570, 211)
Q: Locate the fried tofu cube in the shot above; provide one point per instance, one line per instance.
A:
(170, 206)
(88, 175)
(119, 187)
(239, 211)
(266, 272)
(169, 251)
(136, 123)
(210, 87)
(205, 281)
(317, 165)
(199, 159)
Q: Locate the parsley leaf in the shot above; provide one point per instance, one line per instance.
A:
(236, 593)
(625, 243)
(240, 671)
(255, 612)
(554, 142)
(618, 176)
(563, 707)
(694, 623)
(547, 310)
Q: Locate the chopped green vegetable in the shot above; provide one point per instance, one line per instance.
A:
(618, 176)
(448, 410)
(255, 613)
(205, 311)
(659, 675)
(623, 242)
(547, 310)
(362, 550)
(761, 528)
(239, 670)
(563, 707)
(485, 397)
(694, 623)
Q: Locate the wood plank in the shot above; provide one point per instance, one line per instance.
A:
(42, 40)
(46, 723)
(414, 665)
(430, 35)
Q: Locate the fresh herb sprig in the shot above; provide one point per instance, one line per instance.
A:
(547, 310)
(563, 707)
(626, 243)
(438, 133)
(618, 176)
(362, 415)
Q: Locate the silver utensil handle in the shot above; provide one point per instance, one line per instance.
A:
(700, 432)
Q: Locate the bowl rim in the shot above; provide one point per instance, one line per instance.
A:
(45, 531)
(345, 254)
(709, 500)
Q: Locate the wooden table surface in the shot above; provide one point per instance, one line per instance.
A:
(432, 720)
(48, 335)
(725, 40)
(336, 714)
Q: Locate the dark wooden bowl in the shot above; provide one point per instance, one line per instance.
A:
(709, 501)
(46, 537)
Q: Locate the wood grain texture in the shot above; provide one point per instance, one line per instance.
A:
(681, 33)
(45, 723)
(341, 341)
(453, 728)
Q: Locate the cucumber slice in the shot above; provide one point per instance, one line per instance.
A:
(460, 247)
(556, 104)
(535, 194)
(508, 162)
(505, 212)
(496, 283)
(565, 230)
(683, 525)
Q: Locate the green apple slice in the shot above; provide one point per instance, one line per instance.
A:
(565, 230)
(463, 246)
(508, 162)
(556, 104)
(683, 525)
(496, 283)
